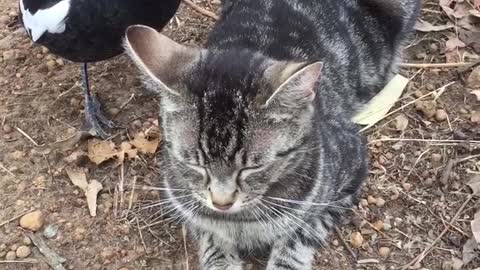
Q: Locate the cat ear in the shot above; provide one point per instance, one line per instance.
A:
(161, 58)
(295, 83)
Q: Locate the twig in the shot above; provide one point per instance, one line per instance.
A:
(422, 140)
(25, 261)
(417, 260)
(435, 65)
(141, 235)
(52, 258)
(130, 201)
(201, 10)
(184, 233)
(66, 92)
(13, 218)
(27, 136)
(345, 244)
(7, 170)
(123, 106)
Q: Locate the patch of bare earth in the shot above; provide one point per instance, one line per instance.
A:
(416, 207)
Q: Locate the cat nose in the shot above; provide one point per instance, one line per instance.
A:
(223, 200)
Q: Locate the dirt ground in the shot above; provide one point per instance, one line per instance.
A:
(415, 200)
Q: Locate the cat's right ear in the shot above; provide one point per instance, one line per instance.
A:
(162, 59)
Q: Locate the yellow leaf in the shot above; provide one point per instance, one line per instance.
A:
(144, 145)
(100, 151)
(376, 109)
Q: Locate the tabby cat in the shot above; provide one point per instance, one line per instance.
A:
(259, 150)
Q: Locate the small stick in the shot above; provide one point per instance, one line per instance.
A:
(430, 247)
(66, 92)
(52, 258)
(435, 65)
(27, 136)
(141, 235)
(201, 10)
(345, 244)
(123, 106)
(184, 233)
(25, 261)
(130, 201)
(7, 170)
(422, 140)
(13, 218)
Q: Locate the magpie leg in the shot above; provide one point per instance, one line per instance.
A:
(95, 119)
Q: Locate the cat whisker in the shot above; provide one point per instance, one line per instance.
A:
(329, 204)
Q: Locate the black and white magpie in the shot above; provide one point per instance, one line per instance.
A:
(89, 31)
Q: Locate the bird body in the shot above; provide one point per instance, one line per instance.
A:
(90, 30)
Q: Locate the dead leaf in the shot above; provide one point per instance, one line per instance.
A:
(376, 109)
(92, 191)
(470, 38)
(475, 118)
(455, 9)
(100, 151)
(468, 251)
(476, 93)
(144, 145)
(125, 150)
(401, 122)
(78, 178)
(428, 108)
(424, 26)
(453, 43)
(473, 80)
(474, 184)
(475, 224)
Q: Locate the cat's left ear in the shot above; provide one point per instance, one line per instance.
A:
(295, 83)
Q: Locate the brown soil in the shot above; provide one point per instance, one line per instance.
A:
(39, 96)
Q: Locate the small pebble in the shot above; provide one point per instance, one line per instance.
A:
(463, 111)
(433, 47)
(364, 203)
(378, 225)
(14, 247)
(10, 256)
(32, 221)
(335, 242)
(23, 252)
(387, 226)
(50, 231)
(371, 199)
(2, 254)
(356, 239)
(380, 202)
(384, 252)
(436, 157)
(7, 129)
(428, 182)
(3, 247)
(27, 241)
(51, 64)
(441, 115)
(407, 186)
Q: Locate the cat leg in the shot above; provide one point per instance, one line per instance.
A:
(291, 254)
(215, 254)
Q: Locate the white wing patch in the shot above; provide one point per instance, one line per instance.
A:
(50, 20)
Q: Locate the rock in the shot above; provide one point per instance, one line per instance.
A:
(17, 155)
(7, 129)
(10, 256)
(27, 241)
(387, 226)
(380, 202)
(108, 253)
(2, 254)
(463, 111)
(50, 231)
(32, 221)
(364, 203)
(428, 108)
(441, 115)
(436, 157)
(335, 242)
(79, 234)
(371, 199)
(4, 19)
(3, 247)
(356, 239)
(407, 186)
(378, 225)
(51, 64)
(384, 252)
(14, 247)
(428, 182)
(23, 252)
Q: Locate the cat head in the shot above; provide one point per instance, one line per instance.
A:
(233, 121)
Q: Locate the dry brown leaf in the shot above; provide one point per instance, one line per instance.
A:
(474, 184)
(453, 43)
(424, 26)
(125, 150)
(401, 122)
(144, 145)
(78, 178)
(100, 151)
(475, 224)
(92, 191)
(455, 9)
